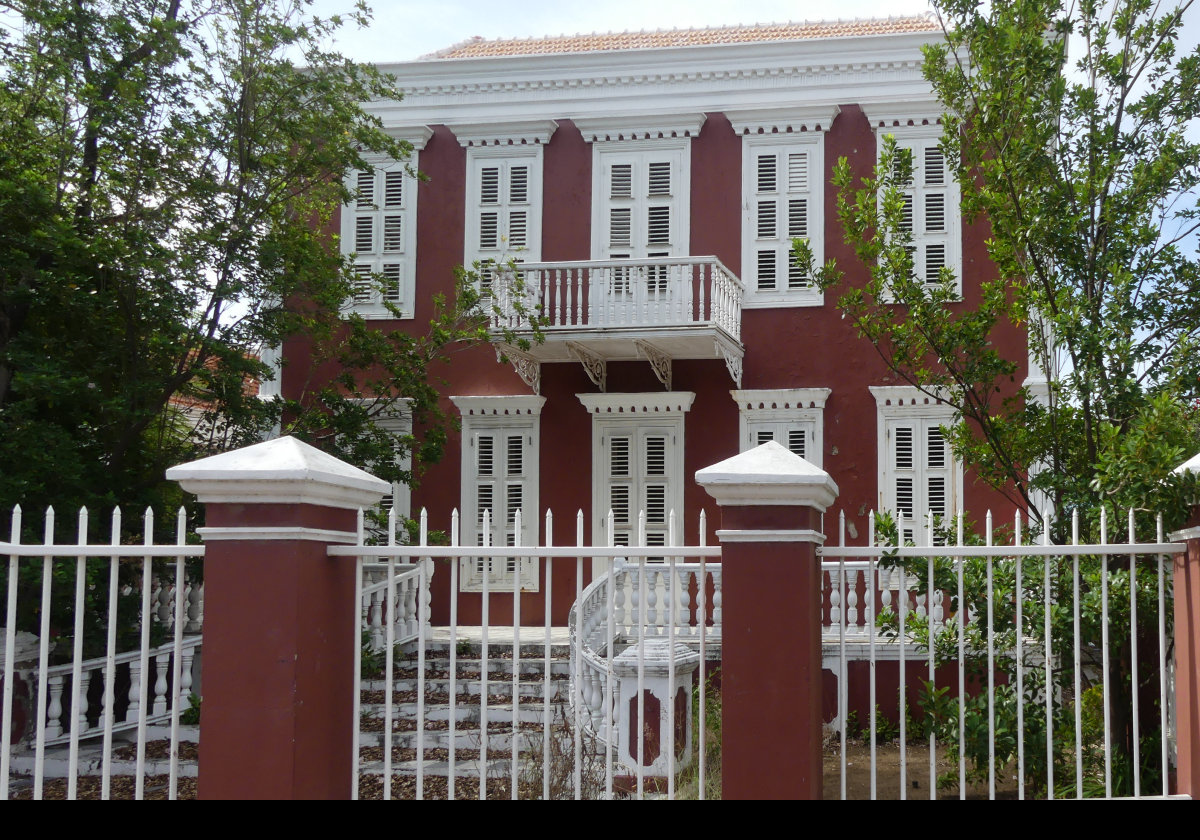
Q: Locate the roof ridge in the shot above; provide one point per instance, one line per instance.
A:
(478, 46)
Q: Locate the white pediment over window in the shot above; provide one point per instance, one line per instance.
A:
(417, 135)
(640, 127)
(900, 112)
(782, 121)
(508, 133)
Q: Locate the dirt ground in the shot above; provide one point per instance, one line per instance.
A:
(888, 775)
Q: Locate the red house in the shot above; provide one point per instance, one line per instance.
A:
(651, 185)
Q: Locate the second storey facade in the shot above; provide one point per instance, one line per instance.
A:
(650, 193)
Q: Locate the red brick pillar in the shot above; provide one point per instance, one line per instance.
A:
(771, 504)
(280, 622)
(1187, 653)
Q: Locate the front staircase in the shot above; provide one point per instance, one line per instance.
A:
(542, 719)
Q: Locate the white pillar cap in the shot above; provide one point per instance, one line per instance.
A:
(768, 475)
(279, 471)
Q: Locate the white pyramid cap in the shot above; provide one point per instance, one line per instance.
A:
(769, 474)
(280, 471)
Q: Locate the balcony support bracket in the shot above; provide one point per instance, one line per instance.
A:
(660, 362)
(593, 365)
(526, 366)
(733, 362)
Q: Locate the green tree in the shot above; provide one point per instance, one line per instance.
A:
(168, 172)
(1070, 132)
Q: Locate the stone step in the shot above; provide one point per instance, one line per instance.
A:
(437, 685)
(499, 713)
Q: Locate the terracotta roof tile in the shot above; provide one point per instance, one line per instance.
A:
(478, 47)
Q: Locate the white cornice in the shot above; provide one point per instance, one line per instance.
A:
(820, 73)
(781, 121)
(639, 126)
(505, 133)
(615, 405)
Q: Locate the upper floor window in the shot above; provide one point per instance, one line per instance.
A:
(782, 201)
(640, 199)
(379, 232)
(931, 204)
(504, 214)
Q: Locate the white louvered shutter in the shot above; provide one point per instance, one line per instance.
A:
(376, 231)
(921, 473)
(640, 477)
(502, 486)
(794, 435)
(782, 207)
(931, 210)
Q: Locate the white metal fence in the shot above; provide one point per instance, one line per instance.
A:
(93, 698)
(1068, 642)
(483, 739)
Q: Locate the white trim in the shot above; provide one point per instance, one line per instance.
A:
(786, 408)
(1185, 535)
(639, 154)
(640, 126)
(252, 533)
(379, 259)
(777, 121)
(642, 405)
(510, 134)
(809, 147)
(503, 159)
(771, 536)
(918, 139)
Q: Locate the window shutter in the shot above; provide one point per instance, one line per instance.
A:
(780, 207)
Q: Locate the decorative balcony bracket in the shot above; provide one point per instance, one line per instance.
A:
(526, 366)
(593, 365)
(733, 362)
(660, 362)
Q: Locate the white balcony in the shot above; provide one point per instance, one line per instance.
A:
(601, 311)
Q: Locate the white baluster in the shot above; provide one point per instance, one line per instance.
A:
(651, 599)
(939, 613)
(135, 685)
(161, 663)
(683, 609)
(166, 605)
(716, 600)
(195, 608)
(375, 620)
(885, 590)
(54, 709)
(835, 599)
(852, 598)
(81, 714)
(410, 607)
(618, 605)
(185, 674)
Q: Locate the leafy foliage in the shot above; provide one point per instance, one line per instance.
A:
(169, 171)
(1080, 163)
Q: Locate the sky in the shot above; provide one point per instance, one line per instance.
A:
(405, 30)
